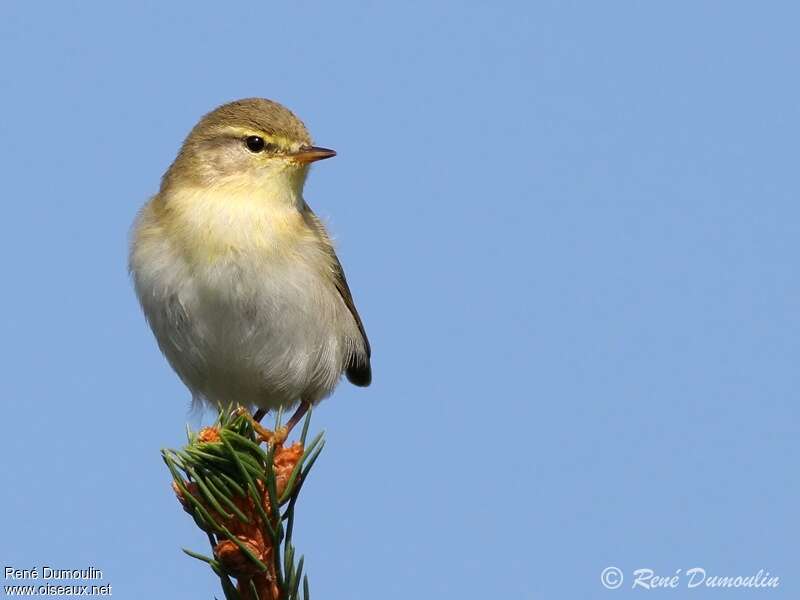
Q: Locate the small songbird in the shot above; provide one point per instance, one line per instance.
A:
(237, 276)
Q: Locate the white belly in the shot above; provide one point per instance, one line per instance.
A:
(246, 330)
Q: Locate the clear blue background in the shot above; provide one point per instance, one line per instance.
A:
(572, 230)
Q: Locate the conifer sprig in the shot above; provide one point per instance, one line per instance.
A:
(241, 494)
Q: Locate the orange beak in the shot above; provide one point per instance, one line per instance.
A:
(309, 154)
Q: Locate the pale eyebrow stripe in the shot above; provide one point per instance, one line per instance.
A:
(281, 142)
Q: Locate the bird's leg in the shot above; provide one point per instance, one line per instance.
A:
(282, 432)
(259, 415)
(297, 416)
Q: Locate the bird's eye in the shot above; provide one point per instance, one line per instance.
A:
(255, 143)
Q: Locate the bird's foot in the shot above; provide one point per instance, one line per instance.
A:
(277, 437)
(274, 438)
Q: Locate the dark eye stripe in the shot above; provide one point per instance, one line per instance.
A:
(255, 143)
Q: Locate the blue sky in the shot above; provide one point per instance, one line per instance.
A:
(571, 230)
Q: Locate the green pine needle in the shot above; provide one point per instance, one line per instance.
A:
(222, 472)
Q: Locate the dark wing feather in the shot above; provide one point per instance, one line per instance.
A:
(358, 369)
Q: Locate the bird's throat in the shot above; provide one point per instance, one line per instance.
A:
(237, 217)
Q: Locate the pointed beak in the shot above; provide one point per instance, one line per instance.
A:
(309, 154)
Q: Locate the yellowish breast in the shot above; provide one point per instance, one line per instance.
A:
(230, 219)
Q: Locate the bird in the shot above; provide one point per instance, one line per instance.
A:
(238, 277)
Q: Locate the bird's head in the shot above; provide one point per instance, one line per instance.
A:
(247, 144)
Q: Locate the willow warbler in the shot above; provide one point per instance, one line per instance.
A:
(237, 276)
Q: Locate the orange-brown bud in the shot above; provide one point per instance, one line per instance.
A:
(192, 489)
(284, 463)
(235, 561)
(208, 434)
